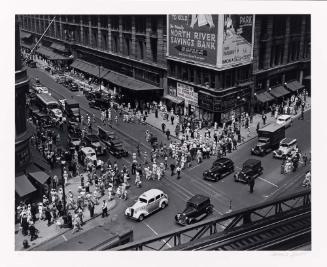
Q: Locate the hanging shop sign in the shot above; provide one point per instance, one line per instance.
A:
(193, 37)
(187, 93)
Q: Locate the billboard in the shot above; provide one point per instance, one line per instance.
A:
(193, 37)
(237, 39)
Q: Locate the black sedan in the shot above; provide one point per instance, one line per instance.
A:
(220, 168)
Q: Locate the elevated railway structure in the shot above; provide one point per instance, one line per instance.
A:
(281, 224)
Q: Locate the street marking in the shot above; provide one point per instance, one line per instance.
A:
(268, 182)
(163, 240)
(64, 238)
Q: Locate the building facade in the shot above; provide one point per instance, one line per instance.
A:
(134, 49)
(22, 132)
(129, 45)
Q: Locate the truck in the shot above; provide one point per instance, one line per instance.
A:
(269, 138)
(72, 110)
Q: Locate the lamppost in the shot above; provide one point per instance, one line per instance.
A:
(239, 102)
(63, 162)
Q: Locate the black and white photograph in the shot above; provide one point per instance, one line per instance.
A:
(156, 132)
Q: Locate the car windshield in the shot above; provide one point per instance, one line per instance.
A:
(284, 145)
(143, 200)
(282, 119)
(191, 205)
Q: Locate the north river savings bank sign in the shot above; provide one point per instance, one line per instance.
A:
(217, 40)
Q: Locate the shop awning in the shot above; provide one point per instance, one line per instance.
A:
(174, 99)
(29, 46)
(59, 47)
(279, 91)
(48, 53)
(129, 82)
(294, 86)
(89, 68)
(23, 186)
(39, 176)
(264, 97)
(25, 35)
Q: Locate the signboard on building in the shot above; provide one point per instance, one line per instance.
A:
(237, 42)
(187, 93)
(193, 37)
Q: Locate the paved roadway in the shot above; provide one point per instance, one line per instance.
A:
(226, 195)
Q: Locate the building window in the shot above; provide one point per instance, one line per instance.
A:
(104, 21)
(126, 47)
(227, 79)
(77, 19)
(140, 23)
(94, 20)
(94, 38)
(85, 19)
(104, 40)
(206, 79)
(115, 43)
(264, 28)
(154, 24)
(115, 22)
(86, 36)
(279, 25)
(154, 49)
(184, 73)
(262, 53)
(127, 23)
(191, 74)
(140, 49)
(295, 24)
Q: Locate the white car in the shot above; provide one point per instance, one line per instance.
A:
(87, 155)
(42, 90)
(285, 120)
(286, 147)
(56, 114)
(147, 203)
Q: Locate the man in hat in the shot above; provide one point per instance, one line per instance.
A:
(104, 209)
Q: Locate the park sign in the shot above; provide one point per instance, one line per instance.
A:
(220, 41)
(193, 37)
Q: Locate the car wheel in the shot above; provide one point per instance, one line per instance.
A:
(141, 217)
(163, 205)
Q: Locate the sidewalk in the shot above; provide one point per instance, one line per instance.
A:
(246, 134)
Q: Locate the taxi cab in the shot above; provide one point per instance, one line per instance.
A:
(147, 203)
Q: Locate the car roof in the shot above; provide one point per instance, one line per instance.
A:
(198, 199)
(288, 140)
(251, 162)
(87, 150)
(284, 116)
(222, 160)
(150, 193)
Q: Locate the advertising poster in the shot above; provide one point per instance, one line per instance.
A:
(187, 93)
(237, 39)
(193, 37)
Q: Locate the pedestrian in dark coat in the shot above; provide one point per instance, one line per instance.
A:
(24, 224)
(168, 134)
(172, 168)
(104, 209)
(33, 232)
(264, 118)
(48, 216)
(91, 208)
(251, 184)
(172, 119)
(163, 127)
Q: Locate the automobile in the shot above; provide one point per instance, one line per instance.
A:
(74, 128)
(93, 141)
(147, 203)
(41, 90)
(56, 115)
(61, 79)
(42, 118)
(197, 208)
(251, 169)
(106, 136)
(220, 168)
(285, 120)
(74, 141)
(87, 155)
(115, 147)
(73, 87)
(99, 103)
(286, 148)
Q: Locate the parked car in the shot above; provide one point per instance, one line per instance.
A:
(74, 141)
(99, 103)
(115, 147)
(286, 148)
(147, 203)
(251, 169)
(87, 155)
(285, 120)
(56, 115)
(74, 128)
(93, 141)
(220, 168)
(73, 87)
(197, 208)
(106, 136)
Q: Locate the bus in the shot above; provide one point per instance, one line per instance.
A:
(46, 102)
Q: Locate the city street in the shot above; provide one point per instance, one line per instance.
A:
(226, 195)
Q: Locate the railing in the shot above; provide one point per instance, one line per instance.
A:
(270, 209)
